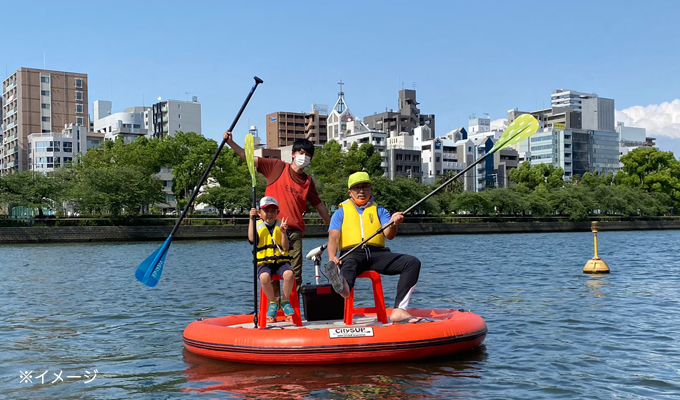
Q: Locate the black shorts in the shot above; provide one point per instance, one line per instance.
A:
(274, 269)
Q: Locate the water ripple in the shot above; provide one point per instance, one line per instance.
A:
(554, 332)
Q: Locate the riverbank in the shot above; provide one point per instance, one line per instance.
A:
(64, 234)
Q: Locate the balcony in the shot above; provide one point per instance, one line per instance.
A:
(10, 113)
(13, 150)
(10, 125)
(10, 87)
(449, 165)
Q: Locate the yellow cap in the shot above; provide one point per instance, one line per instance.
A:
(358, 177)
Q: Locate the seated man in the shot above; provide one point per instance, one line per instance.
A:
(356, 219)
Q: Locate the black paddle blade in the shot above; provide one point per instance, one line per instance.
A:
(334, 277)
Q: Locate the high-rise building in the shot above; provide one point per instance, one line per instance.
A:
(576, 151)
(403, 121)
(39, 101)
(170, 116)
(598, 112)
(554, 117)
(284, 128)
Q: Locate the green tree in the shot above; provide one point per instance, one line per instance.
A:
(117, 190)
(536, 202)
(506, 200)
(188, 154)
(30, 189)
(401, 193)
(223, 198)
(117, 178)
(652, 170)
(572, 200)
(363, 158)
(532, 176)
(473, 202)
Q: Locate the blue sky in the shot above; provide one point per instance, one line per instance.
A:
(464, 57)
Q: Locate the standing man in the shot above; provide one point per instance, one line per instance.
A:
(292, 187)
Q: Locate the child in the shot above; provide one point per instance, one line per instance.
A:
(272, 255)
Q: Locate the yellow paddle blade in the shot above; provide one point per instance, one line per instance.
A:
(521, 128)
(250, 156)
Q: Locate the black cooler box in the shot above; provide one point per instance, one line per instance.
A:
(321, 302)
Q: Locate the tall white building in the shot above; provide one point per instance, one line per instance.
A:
(597, 112)
(50, 150)
(129, 124)
(170, 116)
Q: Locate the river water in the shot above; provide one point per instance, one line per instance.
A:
(554, 332)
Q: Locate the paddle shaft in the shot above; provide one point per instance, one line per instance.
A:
(443, 185)
(212, 162)
(255, 237)
(432, 193)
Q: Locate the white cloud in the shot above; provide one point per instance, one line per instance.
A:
(499, 124)
(659, 119)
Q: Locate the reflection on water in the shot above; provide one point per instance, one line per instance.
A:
(596, 283)
(406, 380)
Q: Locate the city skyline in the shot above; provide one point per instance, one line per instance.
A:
(464, 59)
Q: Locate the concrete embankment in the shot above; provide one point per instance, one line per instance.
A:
(57, 234)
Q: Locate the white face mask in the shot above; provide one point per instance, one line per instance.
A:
(302, 160)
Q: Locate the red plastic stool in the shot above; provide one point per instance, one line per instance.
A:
(264, 304)
(379, 308)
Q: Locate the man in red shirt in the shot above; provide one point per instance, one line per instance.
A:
(292, 188)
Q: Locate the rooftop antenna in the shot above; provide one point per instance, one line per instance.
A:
(414, 86)
(44, 61)
(187, 93)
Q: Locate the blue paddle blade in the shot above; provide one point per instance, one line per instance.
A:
(150, 270)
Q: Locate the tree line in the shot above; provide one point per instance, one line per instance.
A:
(120, 180)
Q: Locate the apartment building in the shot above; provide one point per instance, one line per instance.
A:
(38, 101)
(50, 150)
(403, 121)
(170, 116)
(284, 128)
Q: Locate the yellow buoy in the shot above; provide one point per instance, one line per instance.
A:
(595, 265)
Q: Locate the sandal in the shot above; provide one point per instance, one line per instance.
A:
(287, 308)
(272, 310)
